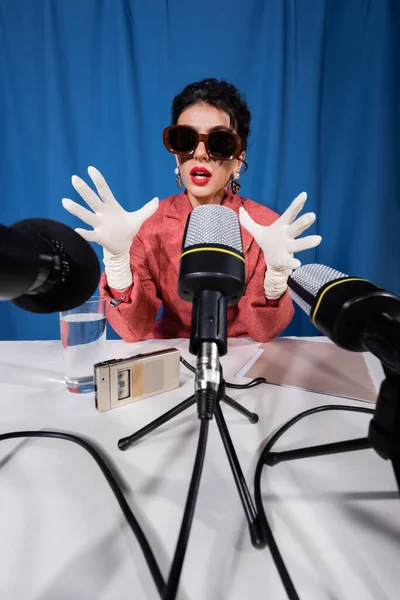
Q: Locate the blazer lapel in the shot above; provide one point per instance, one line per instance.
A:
(175, 216)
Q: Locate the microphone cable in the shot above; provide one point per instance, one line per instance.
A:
(112, 482)
(167, 591)
(262, 461)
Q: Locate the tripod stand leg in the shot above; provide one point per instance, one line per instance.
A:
(256, 533)
(273, 458)
(252, 417)
(126, 442)
(396, 469)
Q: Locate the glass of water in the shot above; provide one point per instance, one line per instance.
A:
(83, 336)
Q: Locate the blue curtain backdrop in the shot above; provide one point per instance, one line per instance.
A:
(91, 82)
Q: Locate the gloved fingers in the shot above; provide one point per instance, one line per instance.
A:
(251, 226)
(102, 187)
(87, 193)
(305, 243)
(287, 264)
(88, 235)
(300, 225)
(145, 212)
(79, 211)
(295, 263)
(293, 210)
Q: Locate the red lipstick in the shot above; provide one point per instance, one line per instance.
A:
(200, 175)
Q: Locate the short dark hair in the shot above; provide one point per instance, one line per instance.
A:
(220, 94)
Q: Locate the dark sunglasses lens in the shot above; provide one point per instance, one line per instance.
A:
(222, 144)
(182, 139)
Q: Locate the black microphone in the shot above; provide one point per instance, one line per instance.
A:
(353, 312)
(212, 272)
(46, 266)
(212, 277)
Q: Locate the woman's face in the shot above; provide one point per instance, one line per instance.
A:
(208, 188)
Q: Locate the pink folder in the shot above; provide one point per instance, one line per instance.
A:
(316, 366)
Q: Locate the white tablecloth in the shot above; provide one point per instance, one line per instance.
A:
(63, 536)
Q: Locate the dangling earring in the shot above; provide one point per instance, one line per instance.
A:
(235, 186)
(178, 177)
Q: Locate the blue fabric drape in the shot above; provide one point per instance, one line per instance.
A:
(91, 83)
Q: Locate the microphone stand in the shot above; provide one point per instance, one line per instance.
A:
(208, 341)
(382, 338)
(255, 530)
(383, 434)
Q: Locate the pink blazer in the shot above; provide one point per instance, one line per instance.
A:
(155, 255)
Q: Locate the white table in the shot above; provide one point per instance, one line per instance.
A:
(63, 536)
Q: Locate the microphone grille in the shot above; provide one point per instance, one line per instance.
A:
(312, 278)
(213, 224)
(303, 304)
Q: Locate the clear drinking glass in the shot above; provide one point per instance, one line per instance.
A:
(83, 336)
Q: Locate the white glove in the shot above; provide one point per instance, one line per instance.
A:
(113, 227)
(278, 243)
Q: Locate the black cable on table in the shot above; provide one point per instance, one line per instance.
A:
(168, 591)
(133, 523)
(277, 558)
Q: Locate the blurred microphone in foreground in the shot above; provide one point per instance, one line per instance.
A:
(46, 266)
(212, 277)
(353, 312)
(358, 316)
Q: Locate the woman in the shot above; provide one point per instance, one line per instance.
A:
(209, 132)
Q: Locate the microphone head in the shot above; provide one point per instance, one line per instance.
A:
(212, 254)
(340, 306)
(80, 267)
(215, 225)
(306, 282)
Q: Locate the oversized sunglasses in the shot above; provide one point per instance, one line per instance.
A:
(220, 144)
